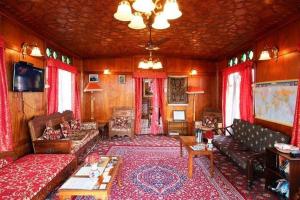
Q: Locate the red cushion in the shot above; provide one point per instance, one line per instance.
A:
(66, 129)
(75, 125)
(51, 134)
(25, 177)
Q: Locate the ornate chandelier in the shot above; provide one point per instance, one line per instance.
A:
(154, 13)
(150, 63)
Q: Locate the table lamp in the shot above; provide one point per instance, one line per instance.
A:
(92, 87)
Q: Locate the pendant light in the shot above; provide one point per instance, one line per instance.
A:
(137, 22)
(160, 21)
(123, 12)
(145, 6)
(171, 10)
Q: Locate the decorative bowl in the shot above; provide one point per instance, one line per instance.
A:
(285, 148)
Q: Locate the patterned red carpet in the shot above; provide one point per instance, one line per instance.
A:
(153, 169)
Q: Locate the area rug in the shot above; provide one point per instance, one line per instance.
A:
(160, 173)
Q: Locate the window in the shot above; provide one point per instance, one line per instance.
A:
(64, 90)
(233, 98)
(245, 56)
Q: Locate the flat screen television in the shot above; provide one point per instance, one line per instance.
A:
(27, 78)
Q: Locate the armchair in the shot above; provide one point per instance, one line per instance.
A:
(122, 122)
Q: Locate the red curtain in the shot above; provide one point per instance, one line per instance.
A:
(160, 91)
(76, 105)
(138, 104)
(246, 98)
(296, 127)
(52, 70)
(52, 74)
(5, 118)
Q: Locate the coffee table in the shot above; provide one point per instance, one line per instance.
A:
(66, 192)
(187, 142)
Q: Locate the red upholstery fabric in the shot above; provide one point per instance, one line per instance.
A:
(75, 125)
(5, 121)
(5, 161)
(66, 129)
(25, 177)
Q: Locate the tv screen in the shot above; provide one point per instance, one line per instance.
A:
(27, 78)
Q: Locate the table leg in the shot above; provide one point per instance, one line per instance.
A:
(212, 165)
(190, 166)
(180, 148)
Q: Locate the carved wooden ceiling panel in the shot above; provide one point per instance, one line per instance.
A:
(207, 29)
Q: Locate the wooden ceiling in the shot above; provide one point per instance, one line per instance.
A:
(207, 29)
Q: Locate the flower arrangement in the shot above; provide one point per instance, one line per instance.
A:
(92, 159)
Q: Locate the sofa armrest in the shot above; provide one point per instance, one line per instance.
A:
(223, 130)
(52, 146)
(89, 125)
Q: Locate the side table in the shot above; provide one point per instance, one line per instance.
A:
(103, 129)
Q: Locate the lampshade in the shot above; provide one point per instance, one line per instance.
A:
(137, 22)
(143, 65)
(194, 90)
(36, 52)
(157, 65)
(106, 71)
(171, 10)
(193, 72)
(265, 55)
(124, 11)
(146, 6)
(92, 87)
(160, 21)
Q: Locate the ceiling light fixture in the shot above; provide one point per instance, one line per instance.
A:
(150, 11)
(150, 63)
(35, 51)
(265, 54)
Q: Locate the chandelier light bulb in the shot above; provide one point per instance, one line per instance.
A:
(124, 11)
(145, 6)
(157, 65)
(137, 22)
(143, 65)
(160, 21)
(171, 10)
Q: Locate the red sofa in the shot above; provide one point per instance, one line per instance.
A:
(33, 176)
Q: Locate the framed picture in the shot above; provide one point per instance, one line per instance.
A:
(179, 115)
(147, 91)
(177, 87)
(122, 79)
(93, 78)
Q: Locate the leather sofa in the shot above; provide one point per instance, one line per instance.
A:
(80, 143)
(245, 144)
(33, 176)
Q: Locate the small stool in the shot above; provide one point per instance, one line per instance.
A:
(103, 129)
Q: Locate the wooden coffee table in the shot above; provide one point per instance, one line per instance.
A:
(96, 192)
(189, 141)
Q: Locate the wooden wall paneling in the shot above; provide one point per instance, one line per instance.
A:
(287, 39)
(115, 94)
(23, 106)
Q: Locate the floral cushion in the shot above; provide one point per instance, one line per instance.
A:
(51, 134)
(5, 161)
(66, 129)
(210, 122)
(25, 177)
(121, 122)
(75, 124)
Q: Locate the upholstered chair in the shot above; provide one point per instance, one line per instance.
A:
(122, 122)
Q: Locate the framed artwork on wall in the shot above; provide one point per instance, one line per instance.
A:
(93, 78)
(177, 87)
(179, 115)
(122, 79)
(147, 91)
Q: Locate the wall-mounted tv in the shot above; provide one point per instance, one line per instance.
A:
(27, 78)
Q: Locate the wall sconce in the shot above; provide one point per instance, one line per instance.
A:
(265, 54)
(106, 71)
(193, 72)
(35, 51)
